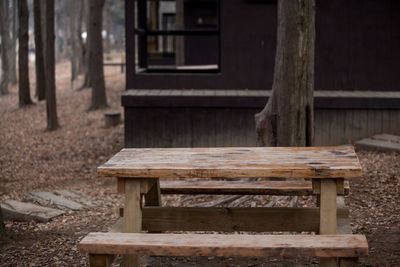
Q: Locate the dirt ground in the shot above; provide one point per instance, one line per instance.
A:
(32, 159)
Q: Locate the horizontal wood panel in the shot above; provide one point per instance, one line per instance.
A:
(231, 162)
(233, 219)
(287, 188)
(225, 245)
(255, 99)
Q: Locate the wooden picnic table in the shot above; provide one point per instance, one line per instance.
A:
(139, 170)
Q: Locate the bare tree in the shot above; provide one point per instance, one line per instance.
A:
(81, 45)
(86, 50)
(49, 63)
(14, 37)
(76, 11)
(287, 119)
(5, 46)
(107, 26)
(95, 49)
(39, 57)
(23, 60)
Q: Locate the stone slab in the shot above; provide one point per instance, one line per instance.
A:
(21, 211)
(50, 199)
(387, 137)
(78, 197)
(381, 143)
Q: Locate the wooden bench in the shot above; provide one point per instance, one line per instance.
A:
(213, 187)
(103, 244)
(139, 170)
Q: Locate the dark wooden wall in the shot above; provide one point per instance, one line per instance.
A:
(357, 48)
(210, 127)
(358, 45)
(197, 118)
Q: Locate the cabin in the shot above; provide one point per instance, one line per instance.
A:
(198, 70)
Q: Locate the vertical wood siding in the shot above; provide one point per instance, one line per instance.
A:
(210, 127)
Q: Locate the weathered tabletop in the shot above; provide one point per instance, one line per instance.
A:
(234, 162)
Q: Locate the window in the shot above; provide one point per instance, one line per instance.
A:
(177, 36)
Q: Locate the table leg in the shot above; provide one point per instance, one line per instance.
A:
(328, 211)
(132, 216)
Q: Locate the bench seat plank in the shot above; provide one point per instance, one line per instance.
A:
(234, 162)
(286, 188)
(225, 245)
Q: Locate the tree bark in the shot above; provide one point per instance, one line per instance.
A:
(5, 47)
(87, 80)
(13, 52)
(39, 57)
(81, 46)
(107, 26)
(49, 63)
(74, 25)
(23, 60)
(96, 71)
(287, 119)
(76, 31)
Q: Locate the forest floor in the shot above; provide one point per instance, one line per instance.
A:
(32, 159)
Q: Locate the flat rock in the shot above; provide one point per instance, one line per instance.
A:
(387, 138)
(380, 142)
(21, 211)
(78, 197)
(50, 199)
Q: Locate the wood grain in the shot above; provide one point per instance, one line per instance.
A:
(233, 219)
(287, 188)
(226, 245)
(254, 162)
(328, 214)
(133, 218)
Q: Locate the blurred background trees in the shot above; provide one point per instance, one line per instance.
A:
(24, 26)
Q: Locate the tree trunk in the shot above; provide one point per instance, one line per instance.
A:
(39, 57)
(49, 63)
(107, 26)
(96, 71)
(23, 60)
(87, 81)
(287, 119)
(5, 47)
(13, 52)
(80, 44)
(76, 31)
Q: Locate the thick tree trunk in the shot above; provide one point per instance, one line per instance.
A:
(23, 60)
(96, 71)
(5, 47)
(49, 63)
(13, 52)
(39, 57)
(287, 119)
